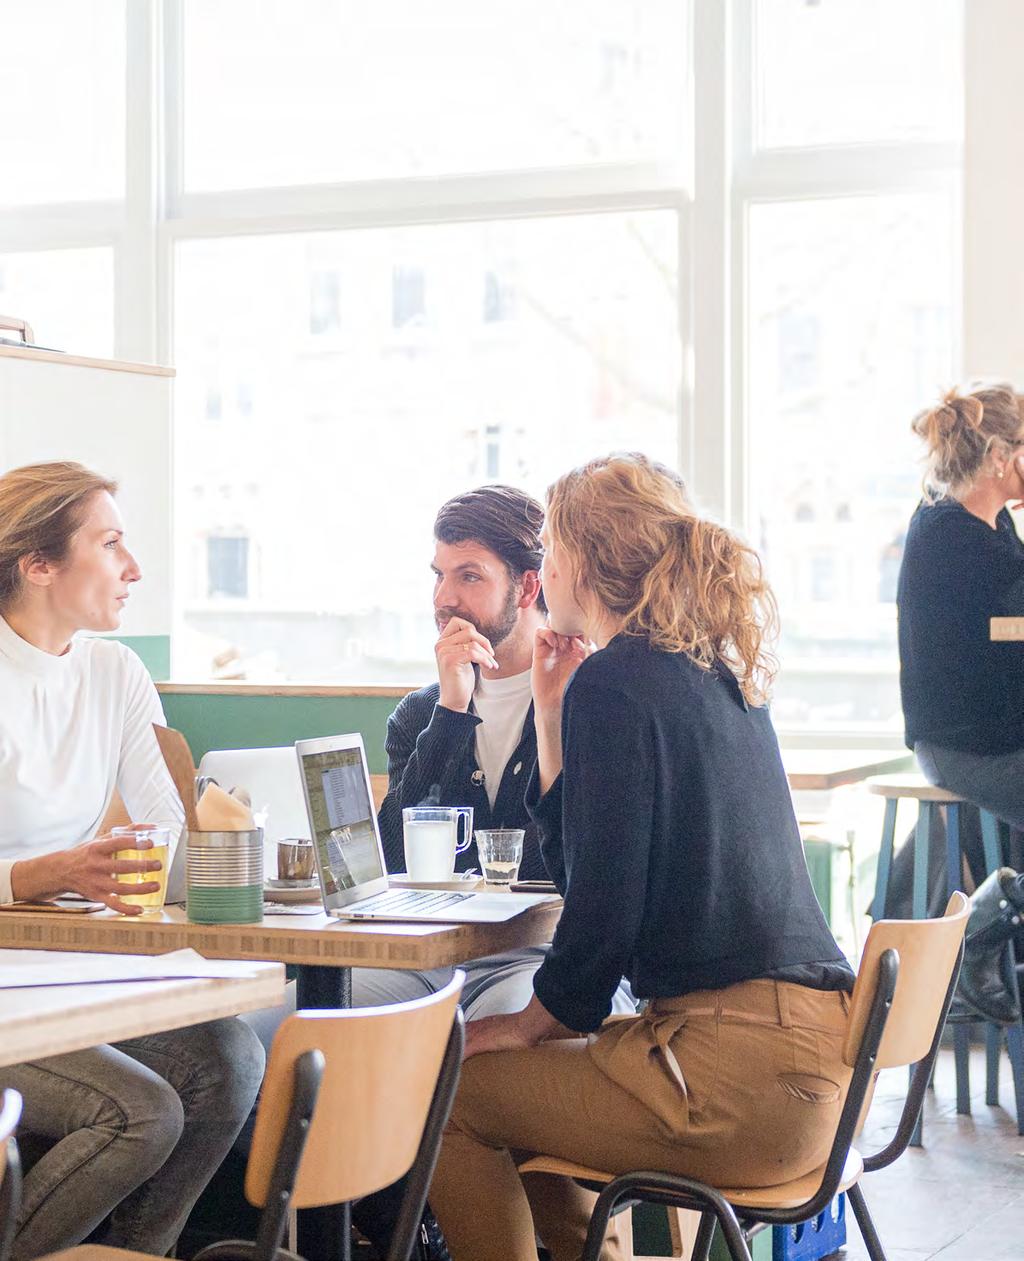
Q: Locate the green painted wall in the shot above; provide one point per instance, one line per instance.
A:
(257, 722)
(155, 651)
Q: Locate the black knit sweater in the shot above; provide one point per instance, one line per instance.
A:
(427, 746)
(672, 836)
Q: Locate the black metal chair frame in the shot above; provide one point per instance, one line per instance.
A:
(738, 1225)
(10, 1198)
(309, 1069)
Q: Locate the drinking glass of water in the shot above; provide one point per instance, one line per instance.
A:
(501, 852)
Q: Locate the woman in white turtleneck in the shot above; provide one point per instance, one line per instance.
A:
(137, 1129)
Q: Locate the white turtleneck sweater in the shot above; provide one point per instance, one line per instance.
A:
(72, 729)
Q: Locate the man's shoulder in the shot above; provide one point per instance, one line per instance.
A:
(417, 705)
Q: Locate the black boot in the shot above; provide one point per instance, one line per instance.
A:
(987, 989)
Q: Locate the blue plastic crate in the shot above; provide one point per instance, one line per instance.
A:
(811, 1240)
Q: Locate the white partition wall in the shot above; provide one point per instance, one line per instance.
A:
(993, 190)
(115, 418)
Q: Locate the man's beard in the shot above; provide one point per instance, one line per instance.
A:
(498, 631)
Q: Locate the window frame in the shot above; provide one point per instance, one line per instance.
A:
(731, 176)
(808, 174)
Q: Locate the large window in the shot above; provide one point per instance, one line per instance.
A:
(399, 249)
(850, 326)
(62, 102)
(379, 374)
(317, 92)
(848, 295)
(832, 72)
(66, 295)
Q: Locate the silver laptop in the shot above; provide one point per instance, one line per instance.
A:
(271, 778)
(272, 781)
(349, 856)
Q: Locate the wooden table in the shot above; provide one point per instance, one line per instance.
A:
(54, 1019)
(821, 770)
(323, 948)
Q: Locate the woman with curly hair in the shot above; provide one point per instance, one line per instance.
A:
(668, 827)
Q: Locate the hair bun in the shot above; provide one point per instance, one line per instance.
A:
(956, 413)
(960, 431)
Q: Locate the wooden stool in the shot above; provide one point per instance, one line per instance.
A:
(893, 788)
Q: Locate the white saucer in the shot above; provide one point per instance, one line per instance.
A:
(289, 891)
(399, 880)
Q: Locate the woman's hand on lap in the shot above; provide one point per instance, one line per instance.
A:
(495, 1033)
(516, 1032)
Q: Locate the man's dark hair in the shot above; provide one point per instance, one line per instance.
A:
(503, 519)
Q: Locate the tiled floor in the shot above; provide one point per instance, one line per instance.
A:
(961, 1196)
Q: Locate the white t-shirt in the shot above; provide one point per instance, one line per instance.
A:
(73, 728)
(501, 705)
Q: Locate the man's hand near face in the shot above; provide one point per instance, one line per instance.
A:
(459, 649)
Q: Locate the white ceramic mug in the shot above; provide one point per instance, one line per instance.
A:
(432, 840)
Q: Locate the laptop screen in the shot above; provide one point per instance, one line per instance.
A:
(342, 819)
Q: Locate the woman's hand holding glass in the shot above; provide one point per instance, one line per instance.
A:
(89, 870)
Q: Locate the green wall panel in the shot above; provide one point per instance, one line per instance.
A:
(155, 651)
(258, 722)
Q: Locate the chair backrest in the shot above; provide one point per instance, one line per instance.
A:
(381, 1068)
(899, 1003)
(116, 815)
(928, 950)
(10, 1169)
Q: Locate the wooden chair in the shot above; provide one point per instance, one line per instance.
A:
(352, 1101)
(379, 788)
(903, 991)
(10, 1170)
(116, 816)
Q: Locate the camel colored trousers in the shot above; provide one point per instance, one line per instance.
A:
(737, 1087)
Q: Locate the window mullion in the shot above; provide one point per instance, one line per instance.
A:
(709, 461)
(135, 255)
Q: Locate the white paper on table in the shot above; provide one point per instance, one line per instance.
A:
(20, 969)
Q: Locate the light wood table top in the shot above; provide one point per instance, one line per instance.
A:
(317, 940)
(54, 1019)
(820, 770)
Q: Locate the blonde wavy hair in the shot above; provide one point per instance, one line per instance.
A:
(961, 432)
(638, 546)
(41, 507)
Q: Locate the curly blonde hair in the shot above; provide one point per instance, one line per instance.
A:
(962, 430)
(666, 574)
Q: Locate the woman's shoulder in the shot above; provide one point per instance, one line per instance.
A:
(113, 658)
(947, 529)
(631, 665)
(940, 514)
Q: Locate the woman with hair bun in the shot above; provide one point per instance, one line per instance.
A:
(668, 827)
(136, 1130)
(963, 695)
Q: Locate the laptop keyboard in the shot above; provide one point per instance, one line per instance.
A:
(404, 901)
